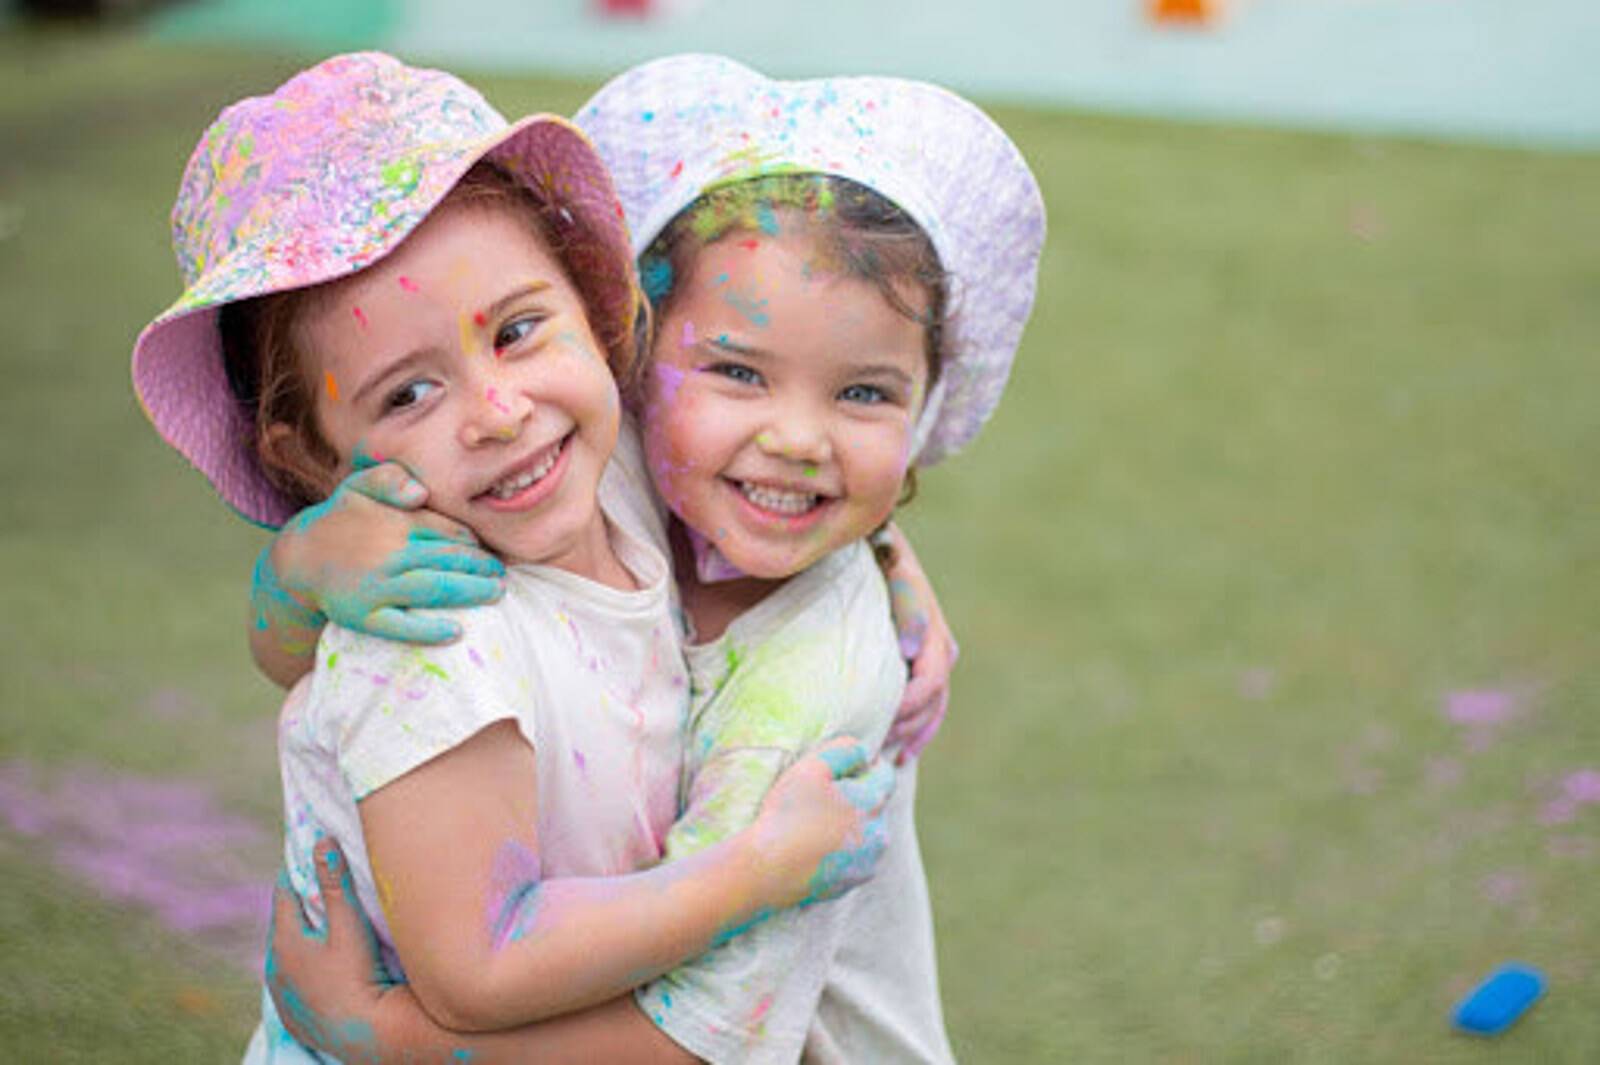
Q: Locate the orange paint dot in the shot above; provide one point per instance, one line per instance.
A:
(333, 386)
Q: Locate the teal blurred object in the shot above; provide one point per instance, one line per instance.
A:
(1479, 70)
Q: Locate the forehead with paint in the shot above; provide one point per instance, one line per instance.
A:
(853, 232)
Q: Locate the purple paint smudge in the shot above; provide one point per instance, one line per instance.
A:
(1484, 707)
(163, 845)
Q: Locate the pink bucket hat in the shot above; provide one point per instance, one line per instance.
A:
(322, 178)
(670, 128)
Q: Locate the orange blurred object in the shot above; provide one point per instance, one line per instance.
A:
(1184, 12)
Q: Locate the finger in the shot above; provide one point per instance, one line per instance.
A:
(843, 756)
(347, 920)
(911, 621)
(401, 626)
(431, 525)
(872, 789)
(430, 589)
(450, 555)
(918, 743)
(333, 880)
(388, 483)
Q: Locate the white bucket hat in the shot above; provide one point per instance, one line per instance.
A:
(669, 128)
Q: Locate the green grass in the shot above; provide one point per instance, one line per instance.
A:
(1264, 490)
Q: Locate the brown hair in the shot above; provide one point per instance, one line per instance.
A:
(271, 374)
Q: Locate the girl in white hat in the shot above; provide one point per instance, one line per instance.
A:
(840, 272)
(376, 262)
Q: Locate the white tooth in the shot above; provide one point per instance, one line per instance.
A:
(776, 499)
(512, 485)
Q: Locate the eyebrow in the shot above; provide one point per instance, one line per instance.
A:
(528, 288)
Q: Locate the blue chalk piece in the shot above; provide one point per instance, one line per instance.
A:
(1494, 1005)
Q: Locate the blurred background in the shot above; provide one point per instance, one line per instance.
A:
(1277, 575)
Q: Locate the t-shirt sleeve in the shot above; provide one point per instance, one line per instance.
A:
(391, 706)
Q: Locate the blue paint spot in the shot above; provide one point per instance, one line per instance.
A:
(656, 277)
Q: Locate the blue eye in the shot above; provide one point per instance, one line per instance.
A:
(736, 371)
(869, 394)
(516, 330)
(407, 395)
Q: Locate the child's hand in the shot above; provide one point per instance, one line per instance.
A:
(326, 985)
(927, 643)
(367, 555)
(821, 828)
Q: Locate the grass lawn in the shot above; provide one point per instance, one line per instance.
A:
(1276, 578)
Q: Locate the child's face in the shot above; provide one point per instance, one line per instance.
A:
(466, 355)
(780, 404)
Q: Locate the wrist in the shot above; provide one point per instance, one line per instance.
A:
(275, 605)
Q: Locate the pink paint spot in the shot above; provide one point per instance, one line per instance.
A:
(495, 402)
(161, 845)
(1583, 786)
(677, 168)
(749, 245)
(480, 319)
(408, 284)
(1558, 811)
(687, 340)
(668, 380)
(1485, 707)
(361, 316)
(580, 761)
(762, 1007)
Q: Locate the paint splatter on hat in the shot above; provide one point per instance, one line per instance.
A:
(670, 128)
(325, 176)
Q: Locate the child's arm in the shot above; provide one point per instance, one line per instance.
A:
(488, 943)
(926, 642)
(363, 558)
(327, 996)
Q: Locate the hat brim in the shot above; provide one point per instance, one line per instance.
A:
(178, 372)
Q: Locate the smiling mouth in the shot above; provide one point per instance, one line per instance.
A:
(781, 501)
(513, 484)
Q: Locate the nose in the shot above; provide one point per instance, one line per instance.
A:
(797, 432)
(495, 415)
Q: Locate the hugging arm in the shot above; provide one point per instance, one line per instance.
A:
(925, 641)
(327, 995)
(364, 558)
(488, 943)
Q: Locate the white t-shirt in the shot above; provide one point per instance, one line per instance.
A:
(850, 980)
(593, 677)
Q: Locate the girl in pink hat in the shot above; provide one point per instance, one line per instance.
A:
(377, 265)
(840, 272)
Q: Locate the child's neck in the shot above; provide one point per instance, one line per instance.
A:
(713, 607)
(593, 556)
